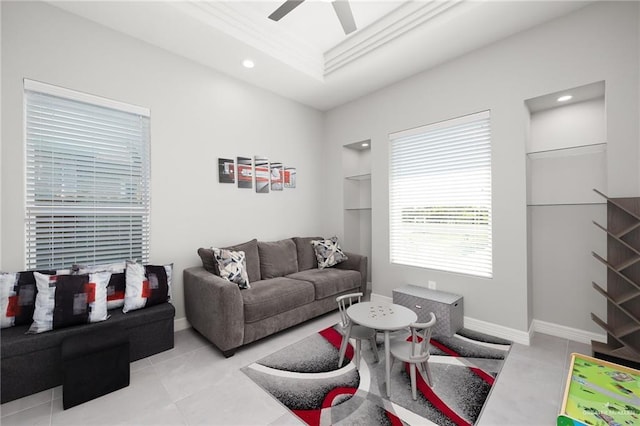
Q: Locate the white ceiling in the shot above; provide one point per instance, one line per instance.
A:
(306, 56)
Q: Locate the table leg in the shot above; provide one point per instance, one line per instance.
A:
(387, 361)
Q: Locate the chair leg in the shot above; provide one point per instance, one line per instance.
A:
(343, 350)
(358, 347)
(428, 371)
(412, 373)
(374, 348)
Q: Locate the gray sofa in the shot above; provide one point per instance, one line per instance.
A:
(287, 288)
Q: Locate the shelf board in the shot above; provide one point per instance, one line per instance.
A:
(618, 300)
(621, 207)
(595, 148)
(566, 204)
(357, 208)
(364, 176)
(622, 352)
(617, 238)
(616, 269)
(618, 333)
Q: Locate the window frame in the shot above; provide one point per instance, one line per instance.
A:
(446, 153)
(118, 209)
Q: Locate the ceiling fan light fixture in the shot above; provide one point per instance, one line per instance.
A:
(248, 63)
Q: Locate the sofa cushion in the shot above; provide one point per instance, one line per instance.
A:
(330, 281)
(208, 260)
(277, 258)
(267, 298)
(250, 249)
(306, 254)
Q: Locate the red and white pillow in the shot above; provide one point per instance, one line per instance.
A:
(66, 300)
(147, 285)
(116, 286)
(18, 297)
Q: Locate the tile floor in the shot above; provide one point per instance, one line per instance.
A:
(193, 384)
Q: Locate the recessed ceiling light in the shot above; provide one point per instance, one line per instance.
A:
(365, 144)
(248, 63)
(564, 98)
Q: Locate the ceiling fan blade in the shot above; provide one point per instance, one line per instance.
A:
(285, 8)
(343, 10)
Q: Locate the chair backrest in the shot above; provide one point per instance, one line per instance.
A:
(420, 337)
(344, 302)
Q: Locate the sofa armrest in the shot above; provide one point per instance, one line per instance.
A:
(356, 262)
(214, 307)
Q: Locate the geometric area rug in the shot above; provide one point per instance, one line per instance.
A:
(305, 378)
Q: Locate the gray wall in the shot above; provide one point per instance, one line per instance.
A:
(197, 115)
(599, 42)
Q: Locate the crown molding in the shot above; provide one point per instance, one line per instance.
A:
(241, 23)
(390, 27)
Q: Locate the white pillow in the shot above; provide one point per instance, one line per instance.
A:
(232, 266)
(66, 300)
(146, 285)
(116, 286)
(328, 252)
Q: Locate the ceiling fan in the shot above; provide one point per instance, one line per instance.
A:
(342, 8)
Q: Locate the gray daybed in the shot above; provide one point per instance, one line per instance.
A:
(287, 288)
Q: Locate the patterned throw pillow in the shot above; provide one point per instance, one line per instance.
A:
(66, 300)
(328, 252)
(116, 286)
(18, 297)
(146, 285)
(232, 266)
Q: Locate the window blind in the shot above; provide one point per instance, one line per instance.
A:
(87, 179)
(440, 196)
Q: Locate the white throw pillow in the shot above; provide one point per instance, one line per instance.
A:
(328, 252)
(66, 300)
(232, 266)
(146, 285)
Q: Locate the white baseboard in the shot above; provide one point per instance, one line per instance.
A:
(574, 334)
(518, 336)
(180, 324)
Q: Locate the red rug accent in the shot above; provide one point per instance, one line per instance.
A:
(312, 417)
(483, 375)
(334, 337)
(426, 390)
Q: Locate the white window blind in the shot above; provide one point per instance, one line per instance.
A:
(440, 196)
(87, 179)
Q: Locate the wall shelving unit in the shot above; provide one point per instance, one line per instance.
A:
(623, 281)
(356, 165)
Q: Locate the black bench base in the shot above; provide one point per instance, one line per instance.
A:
(94, 365)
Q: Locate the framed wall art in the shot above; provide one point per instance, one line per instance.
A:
(277, 177)
(262, 175)
(289, 177)
(245, 172)
(226, 170)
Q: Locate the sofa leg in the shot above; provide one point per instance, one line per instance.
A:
(229, 353)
